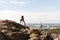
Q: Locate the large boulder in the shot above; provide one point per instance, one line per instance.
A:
(2, 36)
(11, 29)
(48, 37)
(35, 34)
(11, 25)
(19, 36)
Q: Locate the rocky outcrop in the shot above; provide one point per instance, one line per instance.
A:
(10, 30)
(2, 36)
(19, 36)
(48, 37)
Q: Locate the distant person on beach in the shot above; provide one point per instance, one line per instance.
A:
(22, 21)
(40, 25)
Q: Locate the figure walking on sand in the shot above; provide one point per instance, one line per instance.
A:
(22, 21)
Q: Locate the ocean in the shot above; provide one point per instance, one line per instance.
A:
(43, 25)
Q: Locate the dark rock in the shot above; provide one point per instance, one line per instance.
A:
(2, 36)
(48, 37)
(19, 36)
(36, 31)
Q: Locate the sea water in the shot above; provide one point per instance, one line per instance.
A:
(44, 25)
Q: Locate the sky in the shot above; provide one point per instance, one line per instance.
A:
(34, 11)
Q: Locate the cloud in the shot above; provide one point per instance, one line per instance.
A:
(10, 2)
(4, 3)
(18, 3)
(31, 17)
(10, 15)
(45, 17)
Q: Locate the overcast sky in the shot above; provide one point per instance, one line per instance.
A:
(34, 11)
